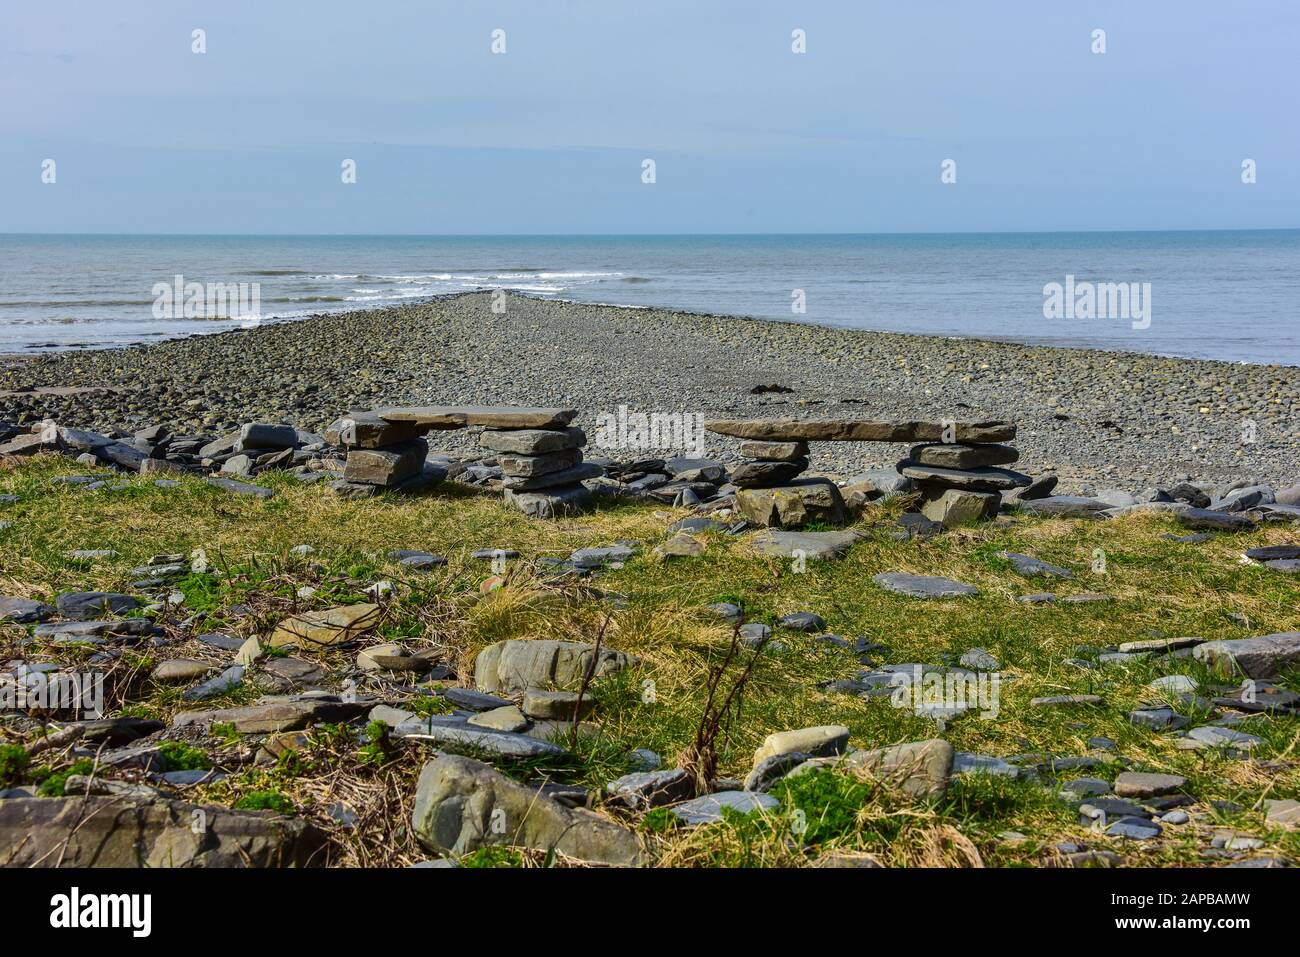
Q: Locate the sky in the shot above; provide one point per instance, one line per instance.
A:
(550, 136)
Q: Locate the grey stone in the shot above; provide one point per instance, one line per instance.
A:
(532, 441)
(240, 488)
(463, 805)
(979, 660)
(508, 718)
(517, 665)
(708, 809)
(952, 507)
(1138, 784)
(1064, 506)
(551, 503)
(862, 430)
(774, 451)
(570, 476)
(803, 621)
(86, 605)
(766, 474)
(1030, 566)
(923, 586)
(1261, 657)
(792, 505)
(975, 480)
(823, 546)
(456, 734)
(123, 832)
(556, 705)
(385, 467)
(643, 790)
(1134, 828)
(955, 455)
(1204, 518)
(24, 611)
(266, 435)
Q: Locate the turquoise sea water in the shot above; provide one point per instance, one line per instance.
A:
(1213, 294)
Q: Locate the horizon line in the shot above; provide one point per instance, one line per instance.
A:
(646, 235)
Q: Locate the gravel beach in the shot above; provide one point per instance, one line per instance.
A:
(1095, 418)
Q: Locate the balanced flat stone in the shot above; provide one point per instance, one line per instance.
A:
(956, 455)
(766, 474)
(774, 451)
(978, 479)
(958, 506)
(366, 430)
(490, 416)
(531, 466)
(570, 476)
(387, 466)
(532, 441)
(923, 586)
(861, 430)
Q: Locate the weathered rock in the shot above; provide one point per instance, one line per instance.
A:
(643, 790)
(975, 480)
(492, 417)
(227, 681)
(923, 586)
(24, 611)
(820, 741)
(774, 451)
(556, 705)
(386, 467)
(793, 505)
(181, 669)
(1204, 518)
(824, 546)
(851, 430)
(509, 719)
(278, 714)
(1261, 657)
(1030, 566)
(956, 455)
(532, 441)
(83, 832)
(921, 769)
(266, 435)
(1064, 506)
(551, 503)
(240, 488)
(463, 805)
(953, 507)
(1137, 784)
(87, 605)
(766, 474)
(570, 476)
(366, 430)
(323, 629)
(517, 665)
(978, 659)
(1065, 701)
(803, 621)
(708, 809)
(682, 545)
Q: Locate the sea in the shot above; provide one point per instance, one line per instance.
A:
(1229, 295)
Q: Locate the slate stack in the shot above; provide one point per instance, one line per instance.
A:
(543, 468)
(383, 455)
(960, 481)
(955, 467)
(539, 455)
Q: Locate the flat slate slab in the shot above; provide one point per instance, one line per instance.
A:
(984, 479)
(860, 430)
(708, 809)
(456, 734)
(923, 586)
(825, 546)
(490, 416)
(956, 455)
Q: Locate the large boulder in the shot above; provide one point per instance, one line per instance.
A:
(132, 832)
(793, 505)
(1262, 657)
(516, 665)
(462, 805)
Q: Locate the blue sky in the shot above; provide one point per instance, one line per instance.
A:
(549, 137)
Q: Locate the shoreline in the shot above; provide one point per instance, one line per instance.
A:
(1092, 416)
(76, 348)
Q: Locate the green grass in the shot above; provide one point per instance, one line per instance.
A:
(1158, 587)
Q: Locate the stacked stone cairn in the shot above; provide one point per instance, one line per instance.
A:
(538, 452)
(960, 481)
(385, 454)
(953, 467)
